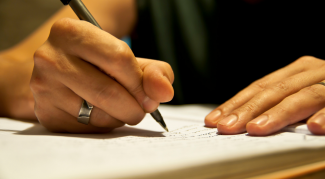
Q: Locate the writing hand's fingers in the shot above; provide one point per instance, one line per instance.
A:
(59, 118)
(87, 82)
(112, 56)
(80, 61)
(158, 77)
(70, 103)
(258, 97)
(61, 121)
(292, 109)
(57, 108)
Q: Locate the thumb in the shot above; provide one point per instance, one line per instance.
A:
(158, 77)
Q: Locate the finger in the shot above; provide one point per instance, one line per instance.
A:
(158, 77)
(236, 122)
(316, 124)
(292, 109)
(301, 65)
(90, 84)
(56, 120)
(101, 49)
(69, 102)
(55, 94)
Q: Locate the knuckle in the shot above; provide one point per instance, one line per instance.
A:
(37, 82)
(107, 94)
(64, 27)
(250, 107)
(234, 102)
(46, 59)
(40, 55)
(281, 109)
(260, 84)
(306, 59)
(137, 90)
(37, 85)
(314, 91)
(280, 86)
(124, 55)
(66, 30)
(43, 58)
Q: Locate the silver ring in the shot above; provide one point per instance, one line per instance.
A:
(321, 83)
(84, 112)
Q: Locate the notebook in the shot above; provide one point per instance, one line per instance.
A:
(189, 150)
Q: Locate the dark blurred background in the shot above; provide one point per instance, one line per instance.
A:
(19, 18)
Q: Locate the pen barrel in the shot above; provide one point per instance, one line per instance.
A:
(82, 12)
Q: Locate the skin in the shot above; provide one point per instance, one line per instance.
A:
(46, 77)
(79, 61)
(17, 63)
(283, 97)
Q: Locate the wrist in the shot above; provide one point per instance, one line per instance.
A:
(15, 95)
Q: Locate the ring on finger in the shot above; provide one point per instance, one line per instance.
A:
(321, 83)
(84, 112)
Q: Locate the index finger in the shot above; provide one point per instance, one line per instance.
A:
(103, 50)
(243, 97)
(292, 109)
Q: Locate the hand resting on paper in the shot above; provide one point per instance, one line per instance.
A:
(80, 61)
(283, 97)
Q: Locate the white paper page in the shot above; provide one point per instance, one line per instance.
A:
(297, 128)
(130, 151)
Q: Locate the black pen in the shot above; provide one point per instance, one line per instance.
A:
(83, 14)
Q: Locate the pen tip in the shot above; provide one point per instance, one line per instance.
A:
(157, 116)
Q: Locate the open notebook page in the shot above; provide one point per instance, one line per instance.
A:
(27, 150)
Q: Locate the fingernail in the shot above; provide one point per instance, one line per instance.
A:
(320, 119)
(214, 115)
(229, 121)
(261, 120)
(149, 104)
